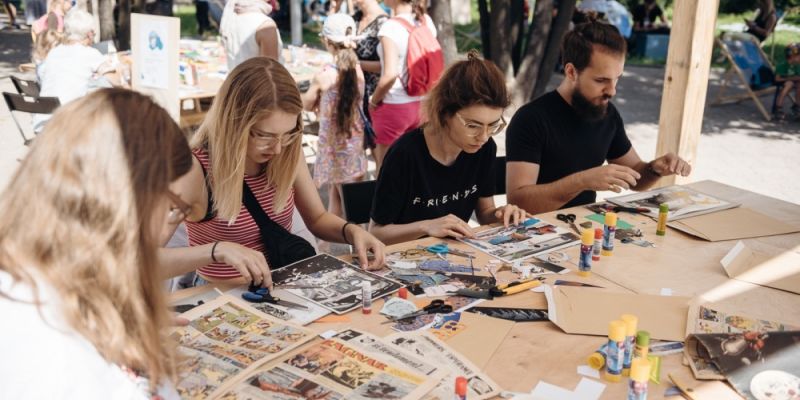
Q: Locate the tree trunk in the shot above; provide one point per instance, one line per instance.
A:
(517, 22)
(124, 20)
(528, 72)
(443, 18)
(500, 39)
(553, 49)
(486, 43)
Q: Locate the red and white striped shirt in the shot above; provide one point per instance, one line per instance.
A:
(245, 230)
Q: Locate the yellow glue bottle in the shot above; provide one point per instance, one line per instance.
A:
(663, 212)
(640, 374)
(585, 262)
(630, 335)
(615, 352)
(609, 230)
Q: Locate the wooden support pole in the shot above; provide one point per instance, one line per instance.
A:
(686, 80)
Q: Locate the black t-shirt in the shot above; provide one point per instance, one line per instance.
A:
(412, 186)
(640, 14)
(549, 132)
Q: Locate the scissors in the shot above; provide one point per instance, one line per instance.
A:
(442, 249)
(570, 219)
(256, 294)
(435, 307)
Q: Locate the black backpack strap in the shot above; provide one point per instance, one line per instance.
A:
(210, 213)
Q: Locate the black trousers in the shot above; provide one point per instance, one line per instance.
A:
(201, 14)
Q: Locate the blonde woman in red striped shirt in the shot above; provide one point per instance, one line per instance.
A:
(252, 134)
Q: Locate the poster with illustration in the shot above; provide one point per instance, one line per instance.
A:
(154, 68)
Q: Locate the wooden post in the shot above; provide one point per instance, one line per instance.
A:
(686, 80)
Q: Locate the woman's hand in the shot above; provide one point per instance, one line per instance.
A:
(250, 263)
(363, 241)
(510, 214)
(449, 225)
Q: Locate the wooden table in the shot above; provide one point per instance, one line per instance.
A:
(689, 266)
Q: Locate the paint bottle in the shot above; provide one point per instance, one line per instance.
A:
(585, 262)
(402, 293)
(609, 230)
(630, 336)
(461, 388)
(597, 360)
(366, 297)
(640, 374)
(642, 344)
(663, 212)
(615, 351)
(598, 244)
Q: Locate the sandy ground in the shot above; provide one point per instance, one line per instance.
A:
(737, 146)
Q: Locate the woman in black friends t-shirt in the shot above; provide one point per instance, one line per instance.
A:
(435, 177)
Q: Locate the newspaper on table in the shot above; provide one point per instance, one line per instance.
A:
(336, 369)
(225, 340)
(519, 242)
(425, 346)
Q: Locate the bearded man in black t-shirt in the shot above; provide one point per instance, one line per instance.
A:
(556, 145)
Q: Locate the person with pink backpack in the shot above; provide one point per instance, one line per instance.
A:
(411, 63)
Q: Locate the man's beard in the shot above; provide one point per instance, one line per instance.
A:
(586, 109)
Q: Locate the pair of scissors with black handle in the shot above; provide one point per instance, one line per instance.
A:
(570, 219)
(435, 307)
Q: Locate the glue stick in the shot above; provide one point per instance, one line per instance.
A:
(597, 360)
(609, 230)
(585, 262)
(598, 244)
(366, 297)
(642, 344)
(630, 335)
(640, 374)
(663, 211)
(461, 388)
(615, 351)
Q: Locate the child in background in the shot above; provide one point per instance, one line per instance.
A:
(787, 79)
(337, 91)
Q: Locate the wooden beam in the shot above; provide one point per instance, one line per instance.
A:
(686, 80)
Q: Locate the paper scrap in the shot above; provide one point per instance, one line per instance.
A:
(538, 289)
(404, 265)
(601, 219)
(587, 389)
(666, 291)
(588, 371)
(328, 334)
(441, 290)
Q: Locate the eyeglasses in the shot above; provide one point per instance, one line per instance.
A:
(180, 209)
(266, 139)
(475, 129)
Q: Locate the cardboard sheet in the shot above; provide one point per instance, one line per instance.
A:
(588, 311)
(489, 332)
(735, 223)
(775, 267)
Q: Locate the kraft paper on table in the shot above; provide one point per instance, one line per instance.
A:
(588, 311)
(775, 267)
(735, 223)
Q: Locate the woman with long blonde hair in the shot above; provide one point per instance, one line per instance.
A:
(80, 294)
(251, 138)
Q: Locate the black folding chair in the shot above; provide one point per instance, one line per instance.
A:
(25, 87)
(31, 105)
(500, 175)
(357, 200)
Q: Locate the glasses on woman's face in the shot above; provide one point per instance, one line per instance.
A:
(179, 209)
(475, 129)
(267, 139)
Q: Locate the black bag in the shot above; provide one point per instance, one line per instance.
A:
(369, 132)
(281, 247)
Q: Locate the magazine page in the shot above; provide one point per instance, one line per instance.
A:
(226, 338)
(759, 365)
(682, 201)
(523, 241)
(426, 346)
(298, 316)
(333, 369)
(705, 319)
(331, 283)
